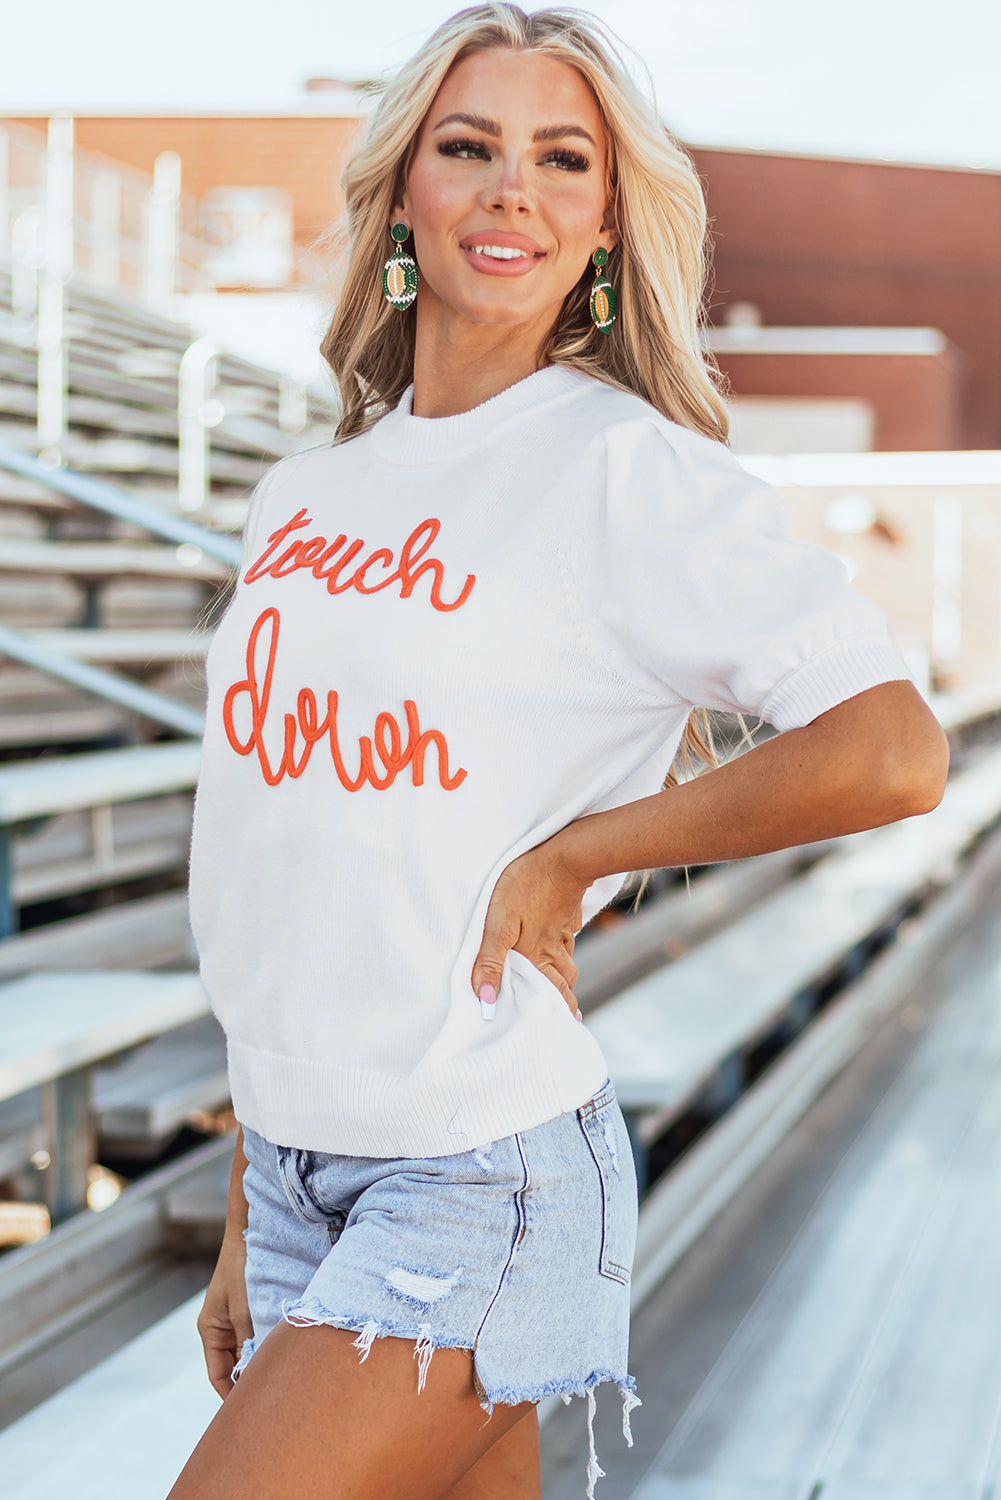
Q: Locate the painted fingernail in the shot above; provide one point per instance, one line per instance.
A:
(578, 1016)
(488, 1001)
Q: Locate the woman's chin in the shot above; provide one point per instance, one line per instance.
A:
(492, 312)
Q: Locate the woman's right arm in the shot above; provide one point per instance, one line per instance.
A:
(224, 1321)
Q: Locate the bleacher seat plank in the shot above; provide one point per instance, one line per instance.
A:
(36, 789)
(26, 493)
(664, 1037)
(21, 1130)
(866, 1366)
(147, 934)
(71, 835)
(60, 725)
(61, 877)
(105, 559)
(133, 646)
(149, 1094)
(666, 925)
(123, 1431)
(55, 1023)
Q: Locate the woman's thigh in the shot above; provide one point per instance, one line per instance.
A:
(307, 1419)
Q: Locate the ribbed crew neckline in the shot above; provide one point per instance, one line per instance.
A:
(404, 438)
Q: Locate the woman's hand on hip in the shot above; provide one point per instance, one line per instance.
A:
(535, 909)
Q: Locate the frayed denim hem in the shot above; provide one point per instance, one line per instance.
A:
(566, 1390)
(312, 1312)
(246, 1352)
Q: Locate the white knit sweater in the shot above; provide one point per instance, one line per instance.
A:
(450, 638)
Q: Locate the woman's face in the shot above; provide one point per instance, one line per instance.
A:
(506, 191)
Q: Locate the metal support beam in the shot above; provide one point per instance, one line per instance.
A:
(8, 917)
(90, 610)
(69, 1131)
(114, 501)
(56, 271)
(196, 413)
(162, 226)
(112, 686)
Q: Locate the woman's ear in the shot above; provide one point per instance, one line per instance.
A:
(608, 238)
(401, 208)
(608, 235)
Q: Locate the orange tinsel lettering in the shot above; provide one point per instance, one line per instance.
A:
(306, 727)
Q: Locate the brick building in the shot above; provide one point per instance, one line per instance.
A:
(903, 262)
(300, 154)
(813, 242)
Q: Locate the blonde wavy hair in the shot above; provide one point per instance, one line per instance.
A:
(659, 265)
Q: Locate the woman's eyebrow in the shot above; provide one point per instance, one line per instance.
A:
(490, 127)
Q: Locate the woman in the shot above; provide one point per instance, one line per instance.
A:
(465, 644)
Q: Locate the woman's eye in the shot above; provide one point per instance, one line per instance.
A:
(572, 160)
(563, 157)
(464, 149)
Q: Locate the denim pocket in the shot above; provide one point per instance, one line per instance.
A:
(292, 1166)
(604, 1131)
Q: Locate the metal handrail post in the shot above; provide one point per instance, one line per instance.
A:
(57, 268)
(105, 264)
(26, 261)
(196, 413)
(162, 229)
(293, 408)
(947, 581)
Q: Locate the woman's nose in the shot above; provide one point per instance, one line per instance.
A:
(510, 190)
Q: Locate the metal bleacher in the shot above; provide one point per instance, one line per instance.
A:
(904, 897)
(805, 1044)
(109, 578)
(723, 1058)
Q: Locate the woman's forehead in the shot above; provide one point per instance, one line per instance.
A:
(502, 84)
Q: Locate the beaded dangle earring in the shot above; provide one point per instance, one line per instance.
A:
(603, 303)
(399, 274)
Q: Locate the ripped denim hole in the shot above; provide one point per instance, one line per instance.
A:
(483, 1159)
(420, 1287)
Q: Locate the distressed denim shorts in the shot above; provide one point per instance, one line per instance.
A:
(519, 1251)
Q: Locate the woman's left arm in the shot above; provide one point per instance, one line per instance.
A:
(870, 760)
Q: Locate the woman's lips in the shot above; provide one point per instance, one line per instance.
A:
(518, 265)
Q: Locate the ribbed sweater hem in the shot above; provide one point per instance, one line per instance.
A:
(436, 1111)
(851, 666)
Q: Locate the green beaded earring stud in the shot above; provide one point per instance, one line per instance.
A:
(603, 303)
(399, 274)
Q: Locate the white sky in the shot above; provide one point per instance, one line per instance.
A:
(906, 80)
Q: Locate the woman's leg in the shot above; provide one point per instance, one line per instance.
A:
(507, 1471)
(306, 1418)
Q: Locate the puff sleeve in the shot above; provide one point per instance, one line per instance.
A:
(705, 596)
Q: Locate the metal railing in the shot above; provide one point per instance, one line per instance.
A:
(118, 502)
(66, 214)
(129, 231)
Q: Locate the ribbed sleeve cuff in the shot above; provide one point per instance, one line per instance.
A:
(847, 668)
